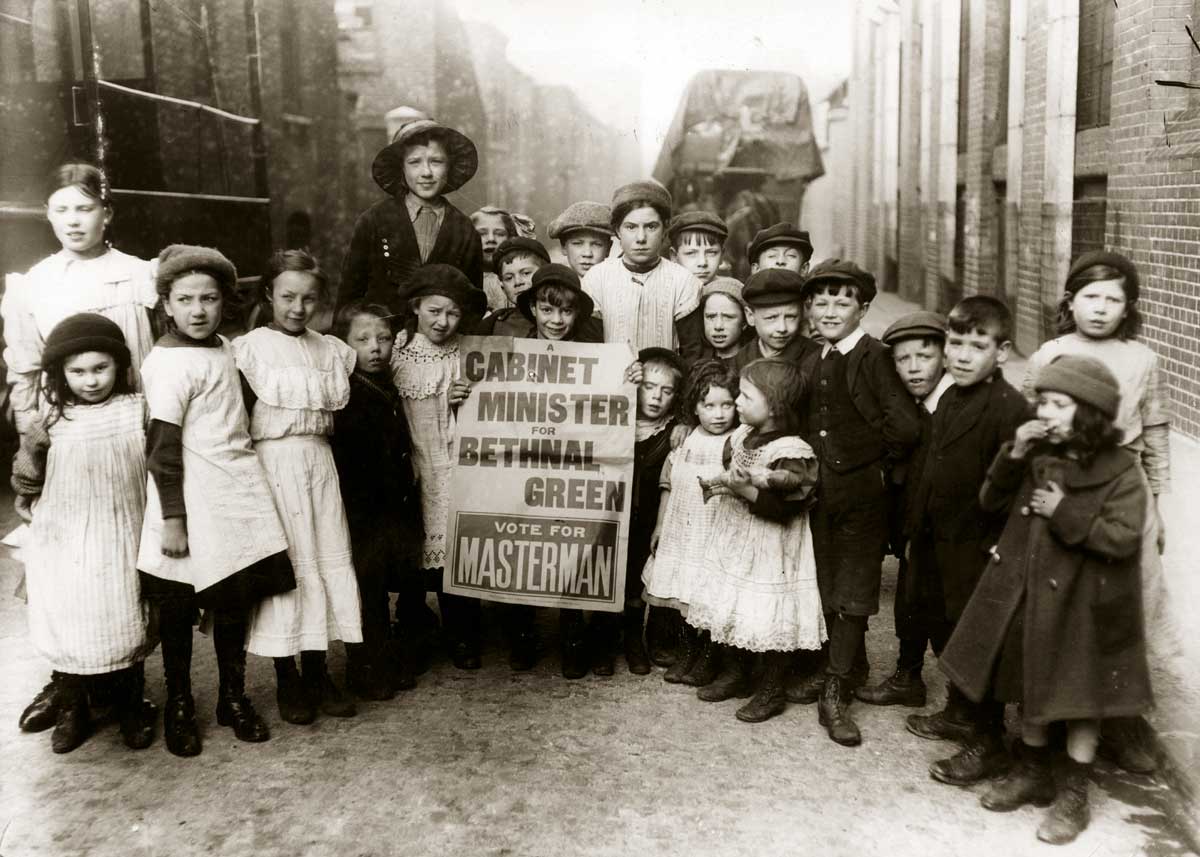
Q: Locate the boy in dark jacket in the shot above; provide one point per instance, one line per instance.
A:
(862, 424)
(415, 225)
(774, 301)
(949, 533)
(373, 455)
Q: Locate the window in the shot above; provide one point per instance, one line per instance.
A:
(1088, 214)
(1094, 92)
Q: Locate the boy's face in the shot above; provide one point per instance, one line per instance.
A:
(516, 273)
(781, 256)
(585, 249)
(491, 233)
(702, 260)
(973, 357)
(553, 322)
(426, 169)
(836, 314)
(641, 234)
(371, 339)
(777, 326)
(656, 393)
(723, 322)
(194, 304)
(920, 363)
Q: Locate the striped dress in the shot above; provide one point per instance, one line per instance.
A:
(85, 612)
(641, 309)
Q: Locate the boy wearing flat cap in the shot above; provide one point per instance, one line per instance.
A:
(774, 300)
(698, 243)
(862, 424)
(644, 300)
(584, 231)
(515, 262)
(918, 341)
(949, 532)
(780, 246)
(415, 225)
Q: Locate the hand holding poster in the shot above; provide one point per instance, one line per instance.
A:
(543, 473)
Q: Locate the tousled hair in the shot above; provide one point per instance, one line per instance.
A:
(784, 387)
(300, 261)
(346, 315)
(833, 288)
(492, 211)
(556, 296)
(703, 377)
(697, 237)
(982, 314)
(1129, 326)
(87, 177)
(519, 255)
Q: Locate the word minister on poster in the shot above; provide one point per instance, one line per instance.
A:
(543, 474)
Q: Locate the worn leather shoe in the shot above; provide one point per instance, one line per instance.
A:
(942, 726)
(1028, 781)
(180, 731)
(1070, 814)
(238, 712)
(465, 656)
(706, 666)
(807, 689)
(981, 759)
(900, 688)
(42, 713)
(71, 727)
(833, 712)
(137, 724)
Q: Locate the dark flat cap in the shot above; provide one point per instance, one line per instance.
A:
(558, 275)
(780, 233)
(916, 325)
(842, 271)
(1112, 260)
(773, 286)
(698, 221)
(520, 244)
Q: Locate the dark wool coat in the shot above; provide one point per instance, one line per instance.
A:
(1076, 578)
(968, 429)
(385, 228)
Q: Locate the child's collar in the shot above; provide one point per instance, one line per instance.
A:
(847, 343)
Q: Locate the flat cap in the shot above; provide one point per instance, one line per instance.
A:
(773, 286)
(176, 260)
(1113, 260)
(916, 325)
(586, 215)
(780, 233)
(698, 221)
(649, 190)
(723, 286)
(520, 244)
(842, 271)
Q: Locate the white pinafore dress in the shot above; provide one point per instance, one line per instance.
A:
(758, 590)
(674, 568)
(85, 611)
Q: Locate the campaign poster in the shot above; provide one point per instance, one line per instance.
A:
(543, 474)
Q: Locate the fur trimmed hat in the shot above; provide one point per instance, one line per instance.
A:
(85, 331)
(1084, 379)
(582, 216)
(839, 271)
(388, 166)
(518, 245)
(177, 260)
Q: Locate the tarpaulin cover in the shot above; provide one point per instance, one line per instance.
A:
(757, 119)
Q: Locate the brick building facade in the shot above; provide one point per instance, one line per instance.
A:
(992, 141)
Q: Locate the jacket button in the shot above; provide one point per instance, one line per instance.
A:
(823, 432)
(995, 557)
(1025, 511)
(1053, 583)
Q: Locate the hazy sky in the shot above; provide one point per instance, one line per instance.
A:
(630, 59)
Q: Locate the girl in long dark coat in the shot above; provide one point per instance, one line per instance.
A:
(1056, 620)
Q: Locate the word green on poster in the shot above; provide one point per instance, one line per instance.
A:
(543, 474)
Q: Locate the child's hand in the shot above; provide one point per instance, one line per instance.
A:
(712, 486)
(760, 478)
(23, 503)
(1027, 435)
(459, 391)
(654, 537)
(1045, 500)
(1162, 528)
(174, 538)
(633, 373)
(679, 435)
(738, 478)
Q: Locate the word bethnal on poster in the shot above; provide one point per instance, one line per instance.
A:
(543, 476)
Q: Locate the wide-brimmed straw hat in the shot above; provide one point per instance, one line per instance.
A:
(388, 167)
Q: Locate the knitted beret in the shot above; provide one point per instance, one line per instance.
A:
(589, 216)
(839, 271)
(723, 286)
(449, 282)
(650, 190)
(1113, 260)
(519, 244)
(772, 287)
(176, 260)
(780, 233)
(558, 275)
(697, 221)
(85, 331)
(1084, 379)
(916, 325)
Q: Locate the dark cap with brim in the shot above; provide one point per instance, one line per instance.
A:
(839, 272)
(772, 287)
(519, 244)
(697, 221)
(449, 282)
(922, 324)
(557, 275)
(780, 233)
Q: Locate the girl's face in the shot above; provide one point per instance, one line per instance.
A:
(295, 296)
(78, 221)
(656, 394)
(491, 233)
(642, 234)
(723, 323)
(752, 406)
(716, 411)
(425, 170)
(90, 376)
(194, 304)
(371, 339)
(1057, 411)
(438, 318)
(1099, 308)
(553, 322)
(585, 249)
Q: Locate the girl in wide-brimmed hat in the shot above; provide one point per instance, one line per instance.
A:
(416, 225)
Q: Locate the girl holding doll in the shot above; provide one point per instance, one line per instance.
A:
(83, 461)
(758, 590)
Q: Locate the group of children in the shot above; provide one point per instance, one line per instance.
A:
(286, 482)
